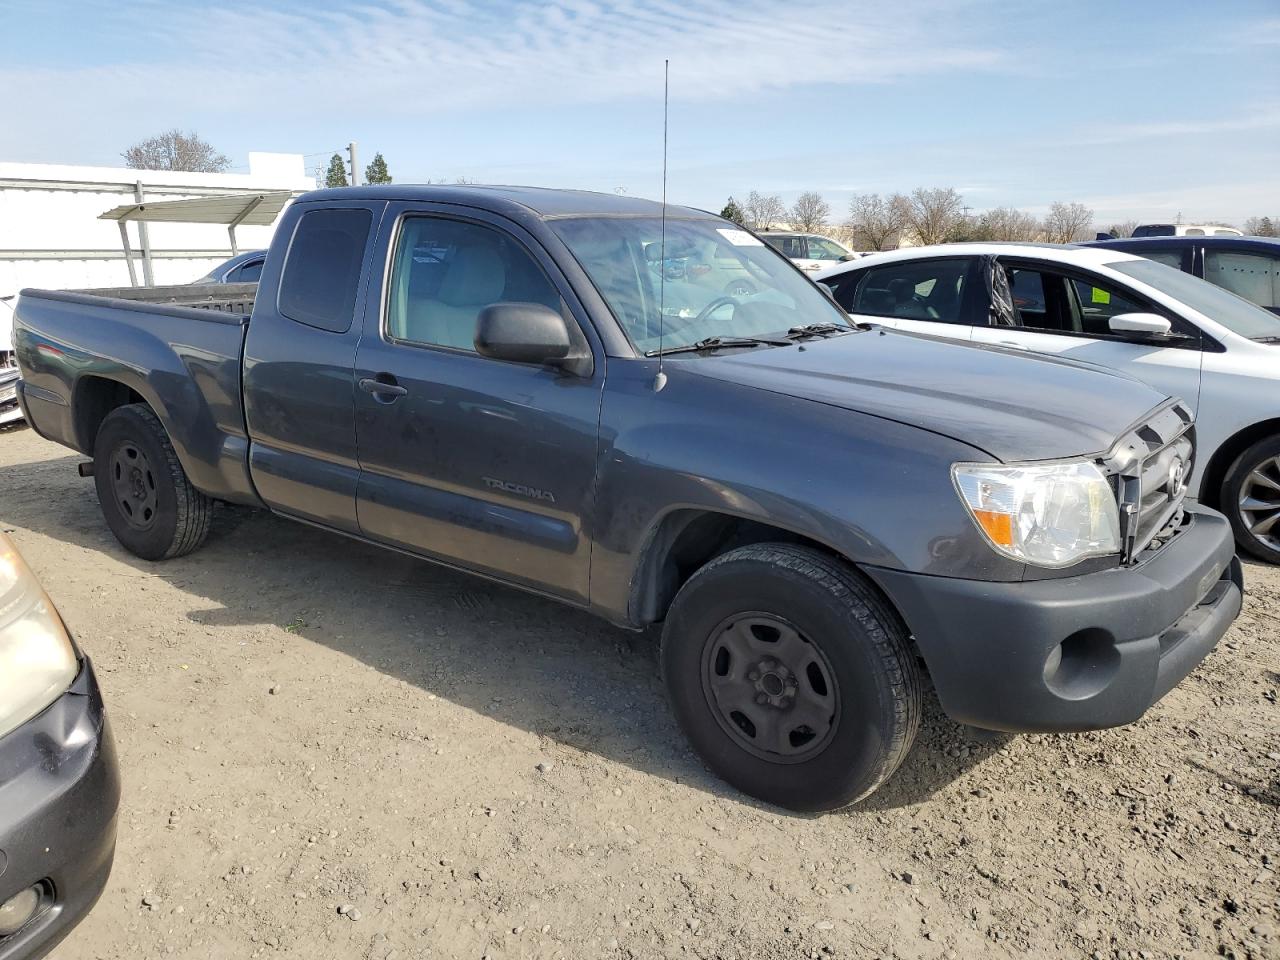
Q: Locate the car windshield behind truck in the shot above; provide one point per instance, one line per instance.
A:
(709, 279)
(1235, 313)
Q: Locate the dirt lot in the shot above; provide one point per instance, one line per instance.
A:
(306, 724)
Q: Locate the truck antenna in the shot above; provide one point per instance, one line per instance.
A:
(660, 380)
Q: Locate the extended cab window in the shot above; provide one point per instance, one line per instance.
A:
(447, 271)
(914, 290)
(321, 275)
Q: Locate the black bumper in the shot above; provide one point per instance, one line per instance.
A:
(1075, 653)
(59, 791)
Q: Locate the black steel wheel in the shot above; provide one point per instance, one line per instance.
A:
(771, 688)
(791, 676)
(133, 485)
(145, 495)
(1251, 499)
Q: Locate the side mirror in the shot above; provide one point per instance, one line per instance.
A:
(828, 290)
(1151, 324)
(522, 333)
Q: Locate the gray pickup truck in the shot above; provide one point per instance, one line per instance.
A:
(573, 394)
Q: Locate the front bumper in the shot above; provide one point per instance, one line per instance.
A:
(59, 791)
(1074, 653)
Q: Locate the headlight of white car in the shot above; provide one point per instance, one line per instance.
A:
(37, 661)
(1050, 515)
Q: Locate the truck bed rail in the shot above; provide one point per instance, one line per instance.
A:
(216, 302)
(227, 297)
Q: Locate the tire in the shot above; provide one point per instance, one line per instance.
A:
(769, 636)
(145, 495)
(1251, 499)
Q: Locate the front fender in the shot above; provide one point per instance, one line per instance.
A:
(874, 491)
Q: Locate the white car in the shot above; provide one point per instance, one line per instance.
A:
(808, 251)
(1191, 339)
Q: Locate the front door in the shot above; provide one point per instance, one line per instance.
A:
(478, 462)
(1067, 313)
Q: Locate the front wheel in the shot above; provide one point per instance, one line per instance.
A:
(145, 495)
(1251, 499)
(791, 677)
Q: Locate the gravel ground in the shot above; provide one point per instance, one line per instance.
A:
(333, 751)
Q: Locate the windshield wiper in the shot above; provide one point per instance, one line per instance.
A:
(818, 330)
(1266, 339)
(715, 343)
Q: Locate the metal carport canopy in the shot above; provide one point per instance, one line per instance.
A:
(254, 209)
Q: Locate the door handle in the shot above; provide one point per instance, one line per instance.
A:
(1013, 343)
(383, 387)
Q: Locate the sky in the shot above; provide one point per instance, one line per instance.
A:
(1142, 109)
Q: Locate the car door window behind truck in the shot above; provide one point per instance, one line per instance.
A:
(1096, 303)
(823, 249)
(916, 290)
(1247, 275)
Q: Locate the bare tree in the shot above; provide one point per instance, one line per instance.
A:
(1262, 226)
(763, 212)
(1123, 229)
(876, 222)
(1067, 222)
(1009, 224)
(934, 215)
(175, 150)
(810, 213)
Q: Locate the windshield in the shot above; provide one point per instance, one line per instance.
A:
(715, 280)
(1237, 314)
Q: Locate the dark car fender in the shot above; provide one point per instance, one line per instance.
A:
(183, 363)
(755, 464)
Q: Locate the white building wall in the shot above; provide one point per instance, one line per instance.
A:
(52, 208)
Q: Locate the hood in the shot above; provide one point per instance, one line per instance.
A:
(1011, 404)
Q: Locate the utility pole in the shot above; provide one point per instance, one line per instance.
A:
(351, 153)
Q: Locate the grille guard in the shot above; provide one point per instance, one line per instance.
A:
(1143, 455)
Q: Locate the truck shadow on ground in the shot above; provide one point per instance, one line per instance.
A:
(538, 665)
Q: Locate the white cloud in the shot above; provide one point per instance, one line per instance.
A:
(1259, 117)
(418, 57)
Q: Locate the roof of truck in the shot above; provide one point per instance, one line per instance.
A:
(543, 201)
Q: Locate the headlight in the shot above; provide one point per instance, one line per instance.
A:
(37, 662)
(1050, 515)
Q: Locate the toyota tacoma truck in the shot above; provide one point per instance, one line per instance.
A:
(546, 388)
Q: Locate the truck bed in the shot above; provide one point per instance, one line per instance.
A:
(221, 297)
(177, 348)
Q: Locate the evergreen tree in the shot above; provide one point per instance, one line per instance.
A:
(376, 171)
(337, 173)
(733, 212)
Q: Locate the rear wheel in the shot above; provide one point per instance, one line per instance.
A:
(791, 677)
(145, 495)
(1251, 499)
